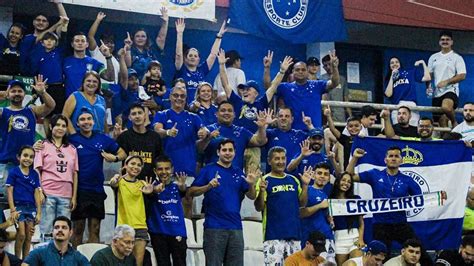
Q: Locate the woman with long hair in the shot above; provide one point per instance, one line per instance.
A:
(204, 104)
(348, 230)
(10, 49)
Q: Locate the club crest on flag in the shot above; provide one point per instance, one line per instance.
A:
(183, 5)
(286, 14)
(424, 186)
(411, 156)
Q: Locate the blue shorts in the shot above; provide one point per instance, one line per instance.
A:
(27, 212)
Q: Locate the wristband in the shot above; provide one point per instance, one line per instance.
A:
(282, 72)
(167, 132)
(116, 158)
(218, 37)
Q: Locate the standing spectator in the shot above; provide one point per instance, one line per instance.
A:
(447, 69)
(92, 148)
(411, 254)
(18, 123)
(58, 165)
(466, 128)
(143, 51)
(58, 251)
(400, 85)
(310, 255)
(141, 141)
(188, 66)
(166, 217)
(341, 94)
(304, 96)
(88, 96)
(76, 66)
(10, 49)
(313, 68)
(402, 128)
(204, 104)
(374, 255)
(235, 74)
(348, 230)
(280, 196)
(120, 251)
(130, 202)
(393, 226)
(223, 237)
(23, 189)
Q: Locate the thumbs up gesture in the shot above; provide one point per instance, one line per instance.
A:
(173, 132)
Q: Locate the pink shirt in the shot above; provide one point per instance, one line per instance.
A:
(57, 167)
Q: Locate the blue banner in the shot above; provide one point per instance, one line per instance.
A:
(294, 21)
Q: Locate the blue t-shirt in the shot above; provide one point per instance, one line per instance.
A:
(246, 113)
(74, 70)
(239, 135)
(29, 49)
(98, 111)
(192, 78)
(311, 160)
(318, 221)
(208, 116)
(166, 212)
(23, 185)
(140, 60)
(290, 140)
(404, 88)
(387, 186)
(49, 64)
(184, 144)
(342, 223)
(304, 98)
(281, 215)
(17, 128)
(222, 203)
(91, 174)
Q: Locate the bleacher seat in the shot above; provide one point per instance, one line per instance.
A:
(152, 255)
(253, 235)
(253, 257)
(191, 236)
(200, 258)
(190, 260)
(109, 203)
(89, 249)
(199, 231)
(11, 228)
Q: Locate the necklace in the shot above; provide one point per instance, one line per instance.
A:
(393, 183)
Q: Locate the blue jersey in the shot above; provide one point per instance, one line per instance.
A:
(98, 111)
(141, 59)
(404, 87)
(222, 203)
(246, 113)
(166, 212)
(290, 140)
(184, 144)
(311, 160)
(304, 98)
(74, 70)
(208, 116)
(192, 78)
(239, 135)
(387, 186)
(29, 49)
(281, 215)
(23, 185)
(49, 64)
(17, 128)
(318, 221)
(91, 174)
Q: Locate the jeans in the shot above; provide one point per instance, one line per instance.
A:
(53, 207)
(223, 246)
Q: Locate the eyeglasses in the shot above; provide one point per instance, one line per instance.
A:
(177, 95)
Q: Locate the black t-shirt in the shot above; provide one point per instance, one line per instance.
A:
(450, 257)
(147, 145)
(346, 142)
(409, 131)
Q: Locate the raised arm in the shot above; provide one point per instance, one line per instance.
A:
(426, 70)
(358, 153)
(48, 101)
(178, 58)
(161, 37)
(332, 127)
(387, 124)
(305, 179)
(216, 46)
(93, 30)
(287, 62)
(335, 79)
(128, 53)
(264, 118)
(267, 63)
(305, 152)
(109, 73)
(123, 71)
(389, 89)
(223, 73)
(68, 109)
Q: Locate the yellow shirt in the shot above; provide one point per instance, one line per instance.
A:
(131, 206)
(298, 259)
(468, 223)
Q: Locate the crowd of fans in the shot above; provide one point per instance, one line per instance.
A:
(271, 142)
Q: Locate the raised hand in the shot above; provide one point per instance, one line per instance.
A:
(64, 20)
(307, 120)
(180, 25)
(215, 181)
(164, 14)
(100, 16)
(215, 133)
(147, 185)
(385, 114)
(307, 175)
(115, 179)
(40, 85)
(333, 59)
(253, 176)
(181, 178)
(159, 188)
(173, 132)
(127, 42)
(419, 62)
(222, 30)
(221, 57)
(104, 49)
(118, 130)
(359, 153)
(263, 184)
(203, 133)
(305, 148)
(327, 111)
(287, 62)
(267, 60)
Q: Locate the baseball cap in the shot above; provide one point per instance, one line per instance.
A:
(376, 247)
(316, 132)
(132, 72)
(15, 82)
(318, 240)
(249, 84)
(84, 110)
(313, 61)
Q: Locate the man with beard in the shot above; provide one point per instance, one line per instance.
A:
(466, 128)
(462, 257)
(120, 251)
(402, 128)
(411, 254)
(58, 251)
(18, 123)
(425, 129)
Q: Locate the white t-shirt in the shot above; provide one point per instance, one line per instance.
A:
(364, 132)
(235, 76)
(97, 55)
(465, 130)
(446, 66)
(358, 261)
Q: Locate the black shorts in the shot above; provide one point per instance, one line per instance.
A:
(89, 205)
(438, 101)
(58, 93)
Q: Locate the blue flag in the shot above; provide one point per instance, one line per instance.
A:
(294, 21)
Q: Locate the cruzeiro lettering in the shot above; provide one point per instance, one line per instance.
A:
(384, 205)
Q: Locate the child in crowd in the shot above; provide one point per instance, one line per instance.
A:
(155, 87)
(23, 188)
(130, 202)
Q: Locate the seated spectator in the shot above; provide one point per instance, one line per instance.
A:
(10, 49)
(374, 255)
(368, 118)
(425, 129)
(468, 224)
(120, 251)
(310, 255)
(4, 260)
(204, 104)
(466, 128)
(462, 257)
(59, 251)
(400, 85)
(235, 74)
(411, 254)
(87, 96)
(402, 128)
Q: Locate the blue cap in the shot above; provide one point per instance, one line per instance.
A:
(316, 132)
(84, 110)
(376, 247)
(249, 84)
(15, 82)
(132, 72)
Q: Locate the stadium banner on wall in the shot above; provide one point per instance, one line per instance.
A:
(434, 166)
(199, 9)
(294, 21)
(339, 207)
